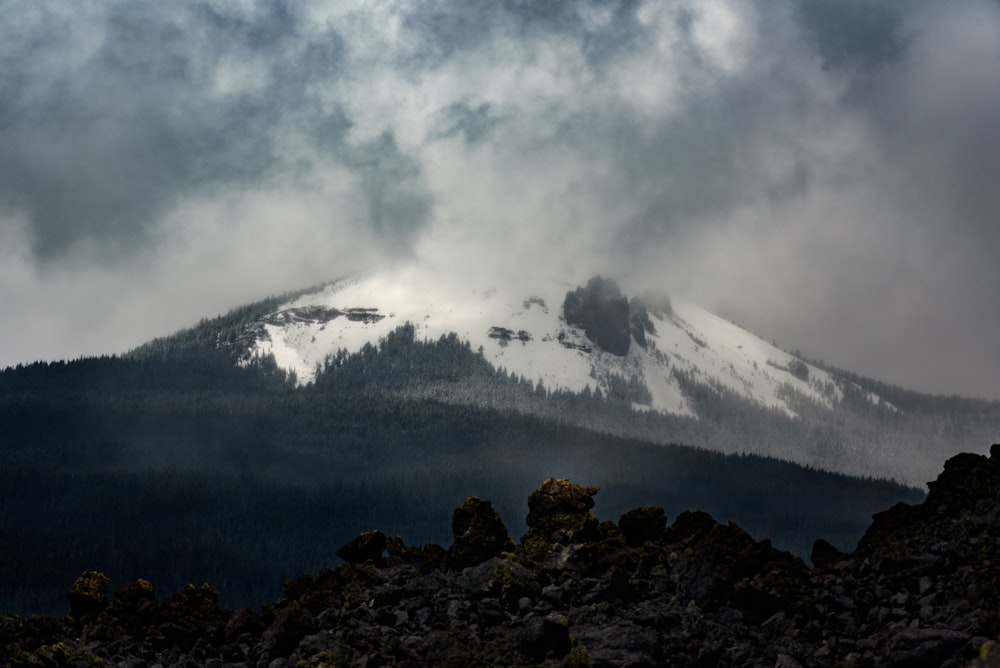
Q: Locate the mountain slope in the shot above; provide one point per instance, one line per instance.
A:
(151, 468)
(519, 326)
(187, 457)
(662, 371)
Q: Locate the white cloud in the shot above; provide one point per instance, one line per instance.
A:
(717, 148)
(725, 33)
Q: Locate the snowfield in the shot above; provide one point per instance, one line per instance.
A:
(518, 327)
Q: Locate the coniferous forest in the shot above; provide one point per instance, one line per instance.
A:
(178, 466)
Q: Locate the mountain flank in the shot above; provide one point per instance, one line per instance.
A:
(921, 589)
(181, 471)
(658, 369)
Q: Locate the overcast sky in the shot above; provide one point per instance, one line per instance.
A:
(824, 172)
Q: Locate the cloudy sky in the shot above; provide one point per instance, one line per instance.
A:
(823, 172)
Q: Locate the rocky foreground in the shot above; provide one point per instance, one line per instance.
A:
(922, 589)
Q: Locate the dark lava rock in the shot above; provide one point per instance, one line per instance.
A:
(88, 595)
(290, 625)
(692, 525)
(922, 589)
(479, 534)
(135, 595)
(640, 525)
(924, 647)
(825, 554)
(543, 638)
(368, 546)
(603, 313)
(559, 512)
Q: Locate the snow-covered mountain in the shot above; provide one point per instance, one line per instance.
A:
(519, 326)
(650, 368)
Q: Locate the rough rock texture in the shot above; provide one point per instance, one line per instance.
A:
(369, 546)
(922, 589)
(88, 595)
(559, 512)
(603, 313)
(639, 321)
(479, 534)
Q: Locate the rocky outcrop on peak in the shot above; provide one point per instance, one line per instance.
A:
(607, 317)
(602, 312)
(320, 315)
(921, 589)
(505, 336)
(640, 322)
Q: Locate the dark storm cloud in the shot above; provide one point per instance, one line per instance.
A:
(937, 113)
(701, 165)
(98, 150)
(853, 35)
(102, 148)
(820, 170)
(397, 206)
(705, 153)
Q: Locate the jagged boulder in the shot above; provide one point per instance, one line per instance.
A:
(89, 594)
(135, 595)
(716, 559)
(639, 525)
(960, 507)
(134, 607)
(204, 596)
(189, 617)
(478, 534)
(368, 546)
(825, 554)
(967, 480)
(559, 512)
(691, 525)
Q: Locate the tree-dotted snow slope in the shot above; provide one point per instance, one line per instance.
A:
(519, 327)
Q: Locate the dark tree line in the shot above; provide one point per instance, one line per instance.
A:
(186, 467)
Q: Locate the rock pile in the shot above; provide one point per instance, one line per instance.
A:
(922, 589)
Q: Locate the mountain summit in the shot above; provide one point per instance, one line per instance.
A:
(564, 336)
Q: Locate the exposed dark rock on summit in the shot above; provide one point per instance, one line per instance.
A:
(607, 317)
(603, 313)
(640, 322)
(922, 589)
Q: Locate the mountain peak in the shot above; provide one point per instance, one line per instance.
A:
(565, 336)
(659, 369)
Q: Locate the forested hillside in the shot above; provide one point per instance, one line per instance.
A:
(777, 404)
(183, 468)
